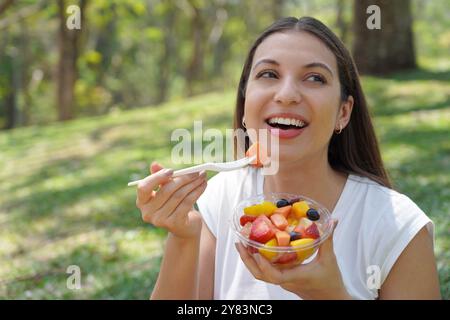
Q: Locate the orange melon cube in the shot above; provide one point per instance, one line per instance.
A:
(262, 158)
(284, 211)
(283, 238)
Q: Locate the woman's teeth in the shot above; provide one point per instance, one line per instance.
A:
(287, 122)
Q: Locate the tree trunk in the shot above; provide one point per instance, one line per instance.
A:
(67, 66)
(5, 5)
(195, 67)
(8, 83)
(106, 42)
(341, 24)
(385, 50)
(25, 73)
(11, 109)
(165, 61)
(219, 44)
(11, 94)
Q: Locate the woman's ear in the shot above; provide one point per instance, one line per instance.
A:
(345, 111)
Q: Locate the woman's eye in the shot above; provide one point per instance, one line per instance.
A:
(316, 78)
(267, 74)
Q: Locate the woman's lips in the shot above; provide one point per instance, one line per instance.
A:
(285, 134)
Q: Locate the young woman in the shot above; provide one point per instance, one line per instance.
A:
(296, 69)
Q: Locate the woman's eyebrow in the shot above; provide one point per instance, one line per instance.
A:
(319, 65)
(309, 65)
(269, 61)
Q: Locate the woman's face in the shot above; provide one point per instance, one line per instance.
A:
(293, 91)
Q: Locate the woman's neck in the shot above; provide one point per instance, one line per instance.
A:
(313, 179)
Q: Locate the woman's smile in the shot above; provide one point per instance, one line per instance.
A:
(286, 125)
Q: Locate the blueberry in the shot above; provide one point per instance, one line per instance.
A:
(295, 235)
(312, 214)
(282, 203)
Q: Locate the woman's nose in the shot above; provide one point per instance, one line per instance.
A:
(287, 93)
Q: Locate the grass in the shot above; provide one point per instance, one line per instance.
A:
(64, 200)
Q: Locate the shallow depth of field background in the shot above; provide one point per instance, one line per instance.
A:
(141, 70)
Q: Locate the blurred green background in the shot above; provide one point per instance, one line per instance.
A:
(83, 112)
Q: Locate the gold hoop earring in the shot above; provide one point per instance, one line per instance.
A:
(340, 129)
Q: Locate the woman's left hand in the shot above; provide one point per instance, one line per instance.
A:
(319, 279)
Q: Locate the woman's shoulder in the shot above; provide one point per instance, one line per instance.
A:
(388, 221)
(379, 196)
(386, 210)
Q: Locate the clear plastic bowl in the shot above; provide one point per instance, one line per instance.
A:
(304, 253)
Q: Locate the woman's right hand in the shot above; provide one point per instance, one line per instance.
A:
(171, 207)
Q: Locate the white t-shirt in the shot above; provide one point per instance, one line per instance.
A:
(375, 225)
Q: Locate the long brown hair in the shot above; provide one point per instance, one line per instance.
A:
(356, 149)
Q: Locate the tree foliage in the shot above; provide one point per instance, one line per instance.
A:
(133, 53)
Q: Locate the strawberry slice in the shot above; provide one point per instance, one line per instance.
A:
(312, 232)
(303, 224)
(245, 218)
(245, 231)
(262, 230)
(300, 229)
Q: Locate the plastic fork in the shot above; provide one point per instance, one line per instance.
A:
(211, 166)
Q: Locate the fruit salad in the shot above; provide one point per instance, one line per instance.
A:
(285, 231)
